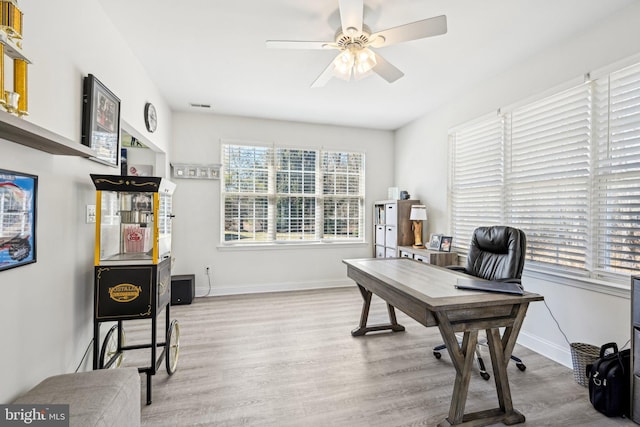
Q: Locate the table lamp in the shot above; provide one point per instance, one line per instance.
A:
(418, 214)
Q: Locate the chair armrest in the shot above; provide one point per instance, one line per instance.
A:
(457, 268)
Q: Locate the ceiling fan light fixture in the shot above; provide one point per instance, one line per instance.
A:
(343, 64)
(358, 62)
(365, 60)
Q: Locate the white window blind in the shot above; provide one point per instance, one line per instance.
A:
(296, 194)
(549, 177)
(246, 189)
(617, 180)
(343, 190)
(277, 194)
(477, 179)
(571, 178)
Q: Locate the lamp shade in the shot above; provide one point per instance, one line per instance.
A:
(418, 213)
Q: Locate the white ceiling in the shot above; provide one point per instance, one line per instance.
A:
(213, 52)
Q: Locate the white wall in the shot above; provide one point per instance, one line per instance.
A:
(46, 308)
(585, 315)
(196, 232)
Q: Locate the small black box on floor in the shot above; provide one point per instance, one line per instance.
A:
(183, 289)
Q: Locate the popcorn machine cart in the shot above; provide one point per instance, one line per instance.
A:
(132, 278)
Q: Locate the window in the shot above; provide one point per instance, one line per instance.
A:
(296, 172)
(549, 178)
(476, 186)
(278, 194)
(565, 169)
(617, 172)
(246, 189)
(343, 194)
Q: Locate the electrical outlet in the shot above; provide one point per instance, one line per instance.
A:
(91, 214)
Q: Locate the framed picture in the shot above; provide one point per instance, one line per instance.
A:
(445, 244)
(434, 242)
(101, 121)
(18, 199)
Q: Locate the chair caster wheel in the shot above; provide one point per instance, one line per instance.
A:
(485, 376)
(437, 354)
(521, 366)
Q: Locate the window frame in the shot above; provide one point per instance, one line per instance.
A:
(274, 197)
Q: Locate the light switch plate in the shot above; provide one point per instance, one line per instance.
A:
(91, 214)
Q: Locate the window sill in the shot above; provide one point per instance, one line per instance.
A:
(289, 246)
(595, 285)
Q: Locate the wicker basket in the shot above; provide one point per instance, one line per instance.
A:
(583, 355)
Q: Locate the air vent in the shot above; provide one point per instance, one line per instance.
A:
(195, 105)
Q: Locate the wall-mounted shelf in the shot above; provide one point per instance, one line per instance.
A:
(17, 130)
(195, 171)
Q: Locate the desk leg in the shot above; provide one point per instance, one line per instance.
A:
(363, 328)
(500, 349)
(462, 357)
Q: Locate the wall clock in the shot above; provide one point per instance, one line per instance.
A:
(150, 117)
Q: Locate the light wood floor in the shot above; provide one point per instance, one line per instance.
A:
(288, 359)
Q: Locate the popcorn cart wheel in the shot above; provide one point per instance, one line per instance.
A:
(172, 347)
(110, 350)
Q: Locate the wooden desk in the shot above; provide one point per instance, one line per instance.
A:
(427, 293)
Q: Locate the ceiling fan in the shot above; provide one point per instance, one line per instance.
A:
(354, 40)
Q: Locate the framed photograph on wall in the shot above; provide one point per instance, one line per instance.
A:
(434, 242)
(101, 121)
(445, 244)
(18, 199)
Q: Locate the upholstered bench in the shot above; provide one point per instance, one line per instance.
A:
(106, 397)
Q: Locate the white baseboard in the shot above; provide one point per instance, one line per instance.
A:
(272, 287)
(553, 351)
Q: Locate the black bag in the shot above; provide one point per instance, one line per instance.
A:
(609, 380)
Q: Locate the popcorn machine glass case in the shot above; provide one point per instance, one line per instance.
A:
(133, 261)
(134, 219)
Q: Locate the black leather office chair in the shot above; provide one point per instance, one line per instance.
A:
(495, 253)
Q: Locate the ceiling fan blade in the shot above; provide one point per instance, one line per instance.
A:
(415, 30)
(325, 76)
(293, 44)
(351, 15)
(386, 70)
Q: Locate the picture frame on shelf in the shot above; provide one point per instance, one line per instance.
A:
(101, 121)
(18, 193)
(445, 244)
(434, 242)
